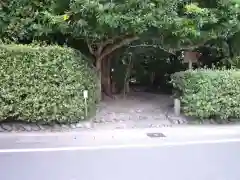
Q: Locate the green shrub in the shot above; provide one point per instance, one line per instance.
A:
(209, 93)
(44, 84)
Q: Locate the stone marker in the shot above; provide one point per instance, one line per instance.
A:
(177, 107)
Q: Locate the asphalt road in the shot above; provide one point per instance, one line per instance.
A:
(189, 161)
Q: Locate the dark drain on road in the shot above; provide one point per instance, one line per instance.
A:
(155, 135)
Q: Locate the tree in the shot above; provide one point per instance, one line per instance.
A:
(107, 25)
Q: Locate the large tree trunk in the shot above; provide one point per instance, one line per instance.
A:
(106, 76)
(101, 54)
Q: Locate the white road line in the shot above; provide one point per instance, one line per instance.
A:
(128, 146)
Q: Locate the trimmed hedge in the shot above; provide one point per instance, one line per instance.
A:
(208, 93)
(44, 84)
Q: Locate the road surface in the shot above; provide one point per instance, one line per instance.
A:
(213, 156)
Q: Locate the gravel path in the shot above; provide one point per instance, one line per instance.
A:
(137, 110)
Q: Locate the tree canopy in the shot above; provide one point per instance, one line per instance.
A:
(106, 25)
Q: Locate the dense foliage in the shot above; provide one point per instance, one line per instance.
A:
(107, 25)
(44, 84)
(209, 93)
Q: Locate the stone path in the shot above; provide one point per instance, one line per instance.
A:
(137, 110)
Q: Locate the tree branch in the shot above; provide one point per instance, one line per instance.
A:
(123, 42)
(90, 48)
(191, 47)
(155, 46)
(102, 45)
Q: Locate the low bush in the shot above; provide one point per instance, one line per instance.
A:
(208, 93)
(44, 84)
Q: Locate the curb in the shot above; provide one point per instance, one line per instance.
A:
(32, 128)
(183, 130)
